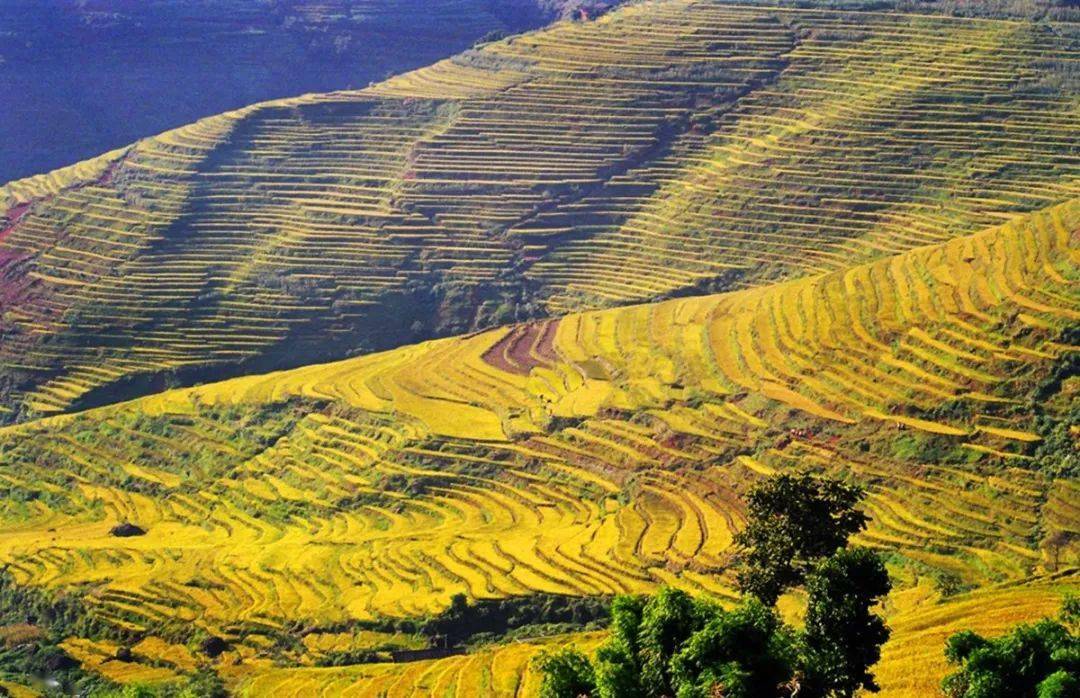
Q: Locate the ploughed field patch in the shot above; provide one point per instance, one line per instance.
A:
(661, 150)
(524, 348)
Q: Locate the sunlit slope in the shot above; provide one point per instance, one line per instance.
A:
(667, 146)
(912, 666)
(503, 670)
(82, 78)
(604, 452)
(913, 662)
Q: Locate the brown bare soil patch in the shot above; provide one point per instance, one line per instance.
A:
(524, 347)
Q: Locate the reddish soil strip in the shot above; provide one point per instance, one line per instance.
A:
(14, 215)
(544, 348)
(15, 286)
(523, 348)
(501, 353)
(14, 293)
(106, 177)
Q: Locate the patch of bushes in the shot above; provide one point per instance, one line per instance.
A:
(491, 619)
(1040, 659)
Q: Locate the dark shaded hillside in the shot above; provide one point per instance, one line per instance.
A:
(80, 78)
(665, 149)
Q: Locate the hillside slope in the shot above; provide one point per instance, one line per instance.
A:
(668, 148)
(912, 665)
(81, 77)
(598, 453)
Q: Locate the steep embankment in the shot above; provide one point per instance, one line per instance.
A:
(669, 147)
(598, 453)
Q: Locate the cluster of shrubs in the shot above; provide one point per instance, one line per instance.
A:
(1040, 659)
(33, 623)
(464, 623)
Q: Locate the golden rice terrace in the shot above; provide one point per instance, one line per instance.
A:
(599, 453)
(529, 323)
(664, 149)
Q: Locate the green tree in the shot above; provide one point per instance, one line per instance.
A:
(1070, 612)
(794, 520)
(618, 666)
(1040, 660)
(843, 637)
(1060, 684)
(138, 691)
(204, 683)
(667, 621)
(675, 645)
(746, 652)
(567, 674)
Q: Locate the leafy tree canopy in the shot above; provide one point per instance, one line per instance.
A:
(567, 672)
(672, 644)
(1040, 660)
(794, 520)
(843, 637)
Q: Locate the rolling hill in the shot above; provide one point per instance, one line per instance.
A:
(666, 149)
(525, 325)
(598, 453)
(82, 77)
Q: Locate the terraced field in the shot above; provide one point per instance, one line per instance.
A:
(911, 667)
(501, 671)
(543, 312)
(669, 147)
(598, 453)
(81, 78)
